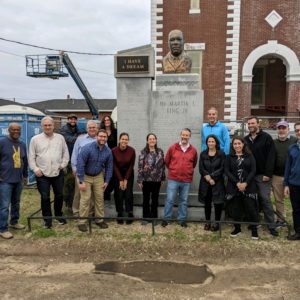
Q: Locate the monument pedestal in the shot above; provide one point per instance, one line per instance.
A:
(176, 103)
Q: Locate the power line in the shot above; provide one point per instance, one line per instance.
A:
(10, 53)
(52, 49)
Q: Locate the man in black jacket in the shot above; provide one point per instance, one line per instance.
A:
(262, 146)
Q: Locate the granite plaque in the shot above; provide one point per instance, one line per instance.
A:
(132, 64)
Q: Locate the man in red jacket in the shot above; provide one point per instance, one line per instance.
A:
(181, 159)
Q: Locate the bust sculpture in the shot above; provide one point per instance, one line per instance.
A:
(176, 61)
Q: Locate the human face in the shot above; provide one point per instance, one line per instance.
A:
(297, 132)
(238, 146)
(282, 132)
(123, 141)
(101, 138)
(14, 131)
(151, 141)
(176, 43)
(92, 129)
(72, 121)
(211, 144)
(107, 122)
(212, 116)
(185, 137)
(253, 125)
(48, 127)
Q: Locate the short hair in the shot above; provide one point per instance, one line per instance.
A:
(102, 131)
(91, 122)
(47, 118)
(253, 117)
(296, 124)
(186, 129)
(213, 108)
(176, 31)
(13, 124)
(216, 140)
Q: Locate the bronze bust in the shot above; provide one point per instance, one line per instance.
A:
(176, 61)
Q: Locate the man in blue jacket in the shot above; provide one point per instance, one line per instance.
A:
(13, 170)
(218, 129)
(292, 181)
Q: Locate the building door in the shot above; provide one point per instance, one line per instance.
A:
(268, 96)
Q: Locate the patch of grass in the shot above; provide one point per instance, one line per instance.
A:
(44, 233)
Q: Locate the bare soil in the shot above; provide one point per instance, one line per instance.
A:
(63, 267)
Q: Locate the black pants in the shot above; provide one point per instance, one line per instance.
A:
(150, 188)
(69, 187)
(207, 206)
(43, 184)
(244, 207)
(295, 201)
(122, 197)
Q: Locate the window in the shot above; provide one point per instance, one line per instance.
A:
(195, 7)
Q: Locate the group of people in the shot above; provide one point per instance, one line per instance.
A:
(83, 169)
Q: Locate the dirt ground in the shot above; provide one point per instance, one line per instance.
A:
(63, 266)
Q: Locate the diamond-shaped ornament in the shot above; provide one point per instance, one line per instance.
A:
(273, 18)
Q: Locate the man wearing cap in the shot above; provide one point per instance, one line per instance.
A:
(70, 132)
(282, 143)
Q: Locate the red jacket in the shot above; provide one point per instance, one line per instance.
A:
(181, 164)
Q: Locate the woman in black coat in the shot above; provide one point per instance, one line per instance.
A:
(211, 188)
(240, 168)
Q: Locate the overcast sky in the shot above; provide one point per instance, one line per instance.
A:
(97, 26)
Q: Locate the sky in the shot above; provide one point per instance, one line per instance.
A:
(97, 26)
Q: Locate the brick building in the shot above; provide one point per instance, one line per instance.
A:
(245, 51)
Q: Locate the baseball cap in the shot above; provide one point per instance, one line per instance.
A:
(72, 116)
(282, 123)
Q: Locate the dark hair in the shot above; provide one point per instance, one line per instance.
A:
(112, 124)
(103, 131)
(216, 140)
(246, 149)
(296, 124)
(186, 129)
(253, 117)
(146, 149)
(123, 133)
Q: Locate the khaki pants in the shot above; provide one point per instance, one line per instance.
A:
(278, 191)
(94, 191)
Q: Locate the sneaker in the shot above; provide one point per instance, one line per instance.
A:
(17, 226)
(82, 227)
(183, 224)
(294, 237)
(61, 221)
(102, 225)
(164, 223)
(207, 227)
(235, 232)
(273, 232)
(280, 224)
(254, 235)
(6, 235)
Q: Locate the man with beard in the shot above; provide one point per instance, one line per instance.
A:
(13, 170)
(176, 61)
(262, 147)
(70, 132)
(181, 159)
(282, 143)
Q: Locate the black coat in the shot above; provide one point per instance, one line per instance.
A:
(231, 171)
(215, 168)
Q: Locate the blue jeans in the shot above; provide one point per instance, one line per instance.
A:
(10, 194)
(182, 188)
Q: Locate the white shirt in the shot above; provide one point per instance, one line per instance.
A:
(48, 154)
